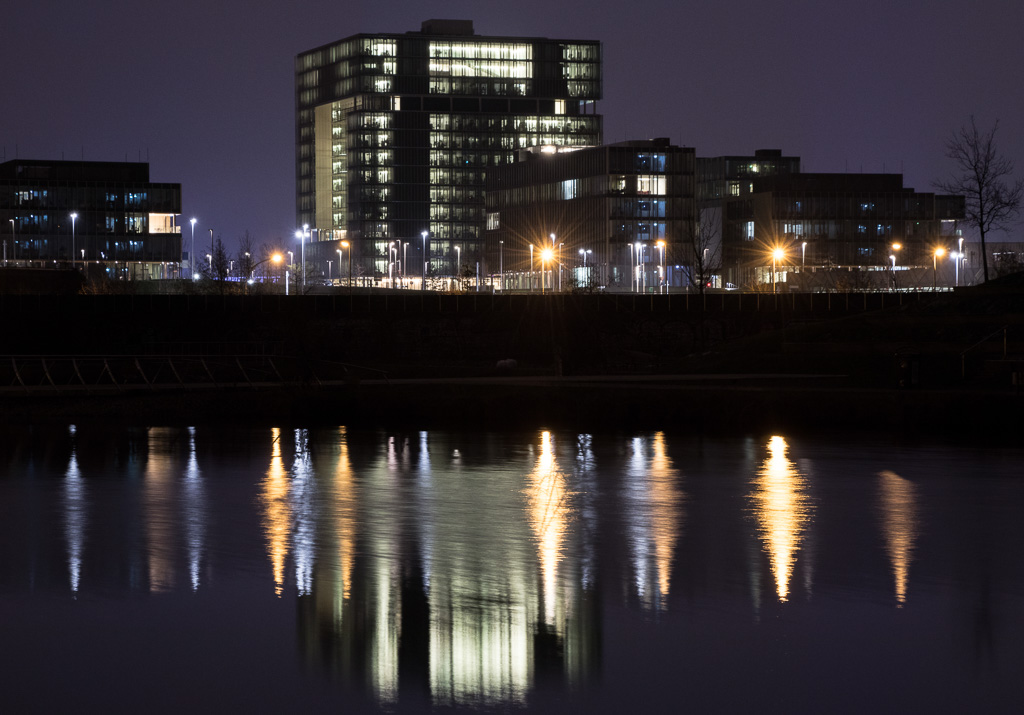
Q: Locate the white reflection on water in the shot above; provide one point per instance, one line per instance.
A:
(194, 510)
(303, 498)
(277, 513)
(547, 496)
(74, 515)
(899, 526)
(654, 511)
(782, 510)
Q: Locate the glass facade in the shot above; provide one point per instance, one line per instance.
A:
(123, 222)
(395, 135)
(621, 216)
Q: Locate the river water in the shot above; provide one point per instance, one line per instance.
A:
(171, 569)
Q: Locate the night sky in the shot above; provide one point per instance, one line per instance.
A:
(205, 89)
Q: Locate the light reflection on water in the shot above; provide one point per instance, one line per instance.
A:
(485, 571)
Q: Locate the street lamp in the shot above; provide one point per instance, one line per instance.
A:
(73, 217)
(803, 254)
(531, 267)
(305, 235)
(275, 258)
(14, 237)
(640, 275)
(423, 276)
(777, 255)
(458, 260)
(939, 253)
(192, 253)
(501, 264)
(346, 244)
(545, 256)
(661, 269)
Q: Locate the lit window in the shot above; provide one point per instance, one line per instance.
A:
(559, 106)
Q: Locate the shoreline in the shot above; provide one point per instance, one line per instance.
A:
(705, 403)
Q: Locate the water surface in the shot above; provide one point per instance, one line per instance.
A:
(165, 568)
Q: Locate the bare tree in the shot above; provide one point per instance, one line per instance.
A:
(218, 266)
(983, 177)
(246, 255)
(702, 250)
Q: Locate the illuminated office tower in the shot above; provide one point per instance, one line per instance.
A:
(395, 134)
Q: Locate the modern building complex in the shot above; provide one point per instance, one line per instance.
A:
(775, 221)
(102, 218)
(396, 133)
(619, 216)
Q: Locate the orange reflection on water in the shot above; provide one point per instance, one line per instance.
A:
(783, 512)
(899, 526)
(158, 501)
(666, 512)
(277, 513)
(345, 516)
(549, 511)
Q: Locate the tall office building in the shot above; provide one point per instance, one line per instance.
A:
(395, 134)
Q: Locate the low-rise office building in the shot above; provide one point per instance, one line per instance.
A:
(102, 218)
(617, 217)
(862, 230)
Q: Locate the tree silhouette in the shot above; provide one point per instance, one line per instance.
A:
(983, 177)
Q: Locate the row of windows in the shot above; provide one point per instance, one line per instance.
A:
(481, 68)
(480, 50)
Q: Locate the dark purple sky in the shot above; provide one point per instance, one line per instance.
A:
(205, 89)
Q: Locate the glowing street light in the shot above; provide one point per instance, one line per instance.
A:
(777, 255)
(531, 267)
(939, 253)
(73, 217)
(803, 254)
(192, 253)
(545, 256)
(346, 244)
(14, 237)
(305, 235)
(661, 268)
(423, 275)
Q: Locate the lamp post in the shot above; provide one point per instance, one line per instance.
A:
(423, 274)
(956, 260)
(458, 260)
(661, 269)
(803, 255)
(631, 271)
(275, 258)
(960, 250)
(777, 255)
(501, 264)
(640, 277)
(560, 268)
(939, 253)
(14, 238)
(346, 244)
(192, 252)
(545, 256)
(305, 235)
(531, 267)
(73, 217)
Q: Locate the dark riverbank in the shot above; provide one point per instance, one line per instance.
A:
(720, 403)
